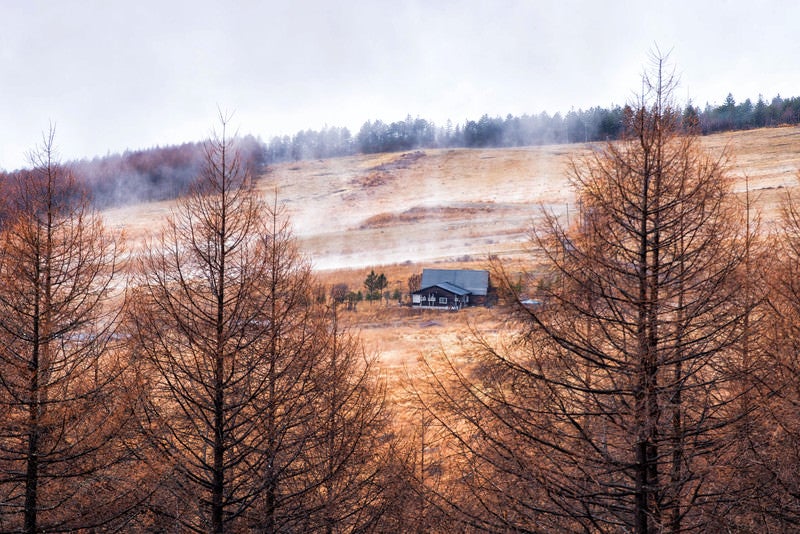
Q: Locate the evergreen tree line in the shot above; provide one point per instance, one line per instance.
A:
(581, 126)
(162, 173)
(745, 115)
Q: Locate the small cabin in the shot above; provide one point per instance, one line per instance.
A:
(451, 289)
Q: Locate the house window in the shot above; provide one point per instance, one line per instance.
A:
(442, 300)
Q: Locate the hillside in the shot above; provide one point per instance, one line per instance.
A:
(400, 212)
(457, 204)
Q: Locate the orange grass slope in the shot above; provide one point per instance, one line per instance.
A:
(399, 213)
(455, 204)
(447, 204)
(421, 206)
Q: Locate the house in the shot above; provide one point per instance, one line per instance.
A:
(451, 289)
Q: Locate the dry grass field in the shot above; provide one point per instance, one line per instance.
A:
(399, 213)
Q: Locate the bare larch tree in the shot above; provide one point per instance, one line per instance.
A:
(615, 404)
(65, 392)
(270, 415)
(197, 320)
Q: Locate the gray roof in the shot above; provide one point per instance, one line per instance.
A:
(460, 291)
(475, 282)
(450, 288)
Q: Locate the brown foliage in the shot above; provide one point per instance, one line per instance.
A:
(614, 405)
(67, 395)
(271, 415)
(218, 294)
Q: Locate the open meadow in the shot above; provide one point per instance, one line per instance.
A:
(450, 208)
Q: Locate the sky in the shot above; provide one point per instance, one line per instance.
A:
(112, 76)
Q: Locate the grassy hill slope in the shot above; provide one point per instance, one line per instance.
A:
(457, 204)
(402, 212)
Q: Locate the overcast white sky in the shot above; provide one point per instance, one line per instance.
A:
(113, 76)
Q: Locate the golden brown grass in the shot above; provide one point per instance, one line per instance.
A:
(450, 208)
